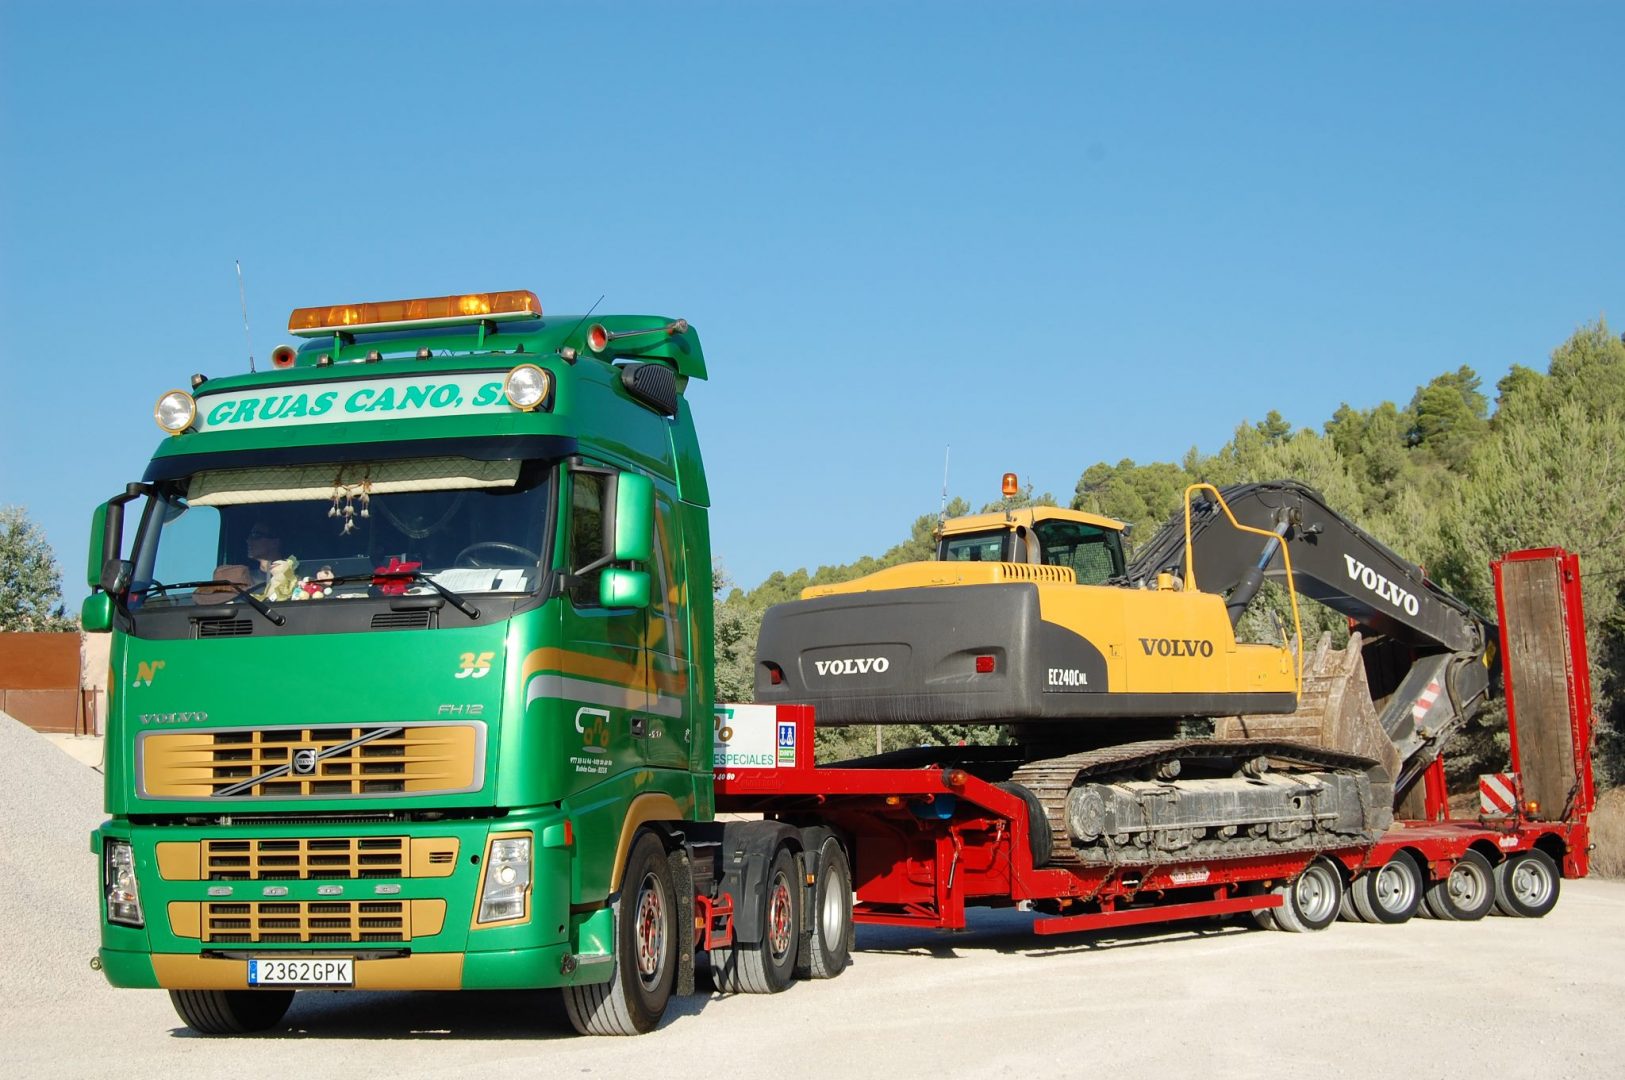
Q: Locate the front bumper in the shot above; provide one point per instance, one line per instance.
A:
(437, 945)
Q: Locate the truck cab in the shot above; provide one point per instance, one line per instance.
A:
(411, 634)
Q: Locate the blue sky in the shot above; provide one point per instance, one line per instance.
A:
(1045, 234)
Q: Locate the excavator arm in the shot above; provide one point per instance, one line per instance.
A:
(1422, 659)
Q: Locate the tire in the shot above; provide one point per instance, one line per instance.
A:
(231, 1012)
(1465, 894)
(1389, 894)
(1346, 911)
(635, 997)
(1264, 917)
(1040, 838)
(769, 965)
(827, 949)
(1311, 900)
(1527, 885)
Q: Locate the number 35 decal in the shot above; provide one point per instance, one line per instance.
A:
(474, 667)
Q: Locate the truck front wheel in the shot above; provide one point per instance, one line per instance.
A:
(231, 1012)
(766, 966)
(634, 999)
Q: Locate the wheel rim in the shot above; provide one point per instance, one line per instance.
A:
(1531, 885)
(1314, 895)
(780, 933)
(1467, 886)
(1395, 888)
(649, 932)
(832, 912)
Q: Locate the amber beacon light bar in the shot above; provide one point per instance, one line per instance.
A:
(425, 311)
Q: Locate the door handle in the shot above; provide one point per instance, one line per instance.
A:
(639, 725)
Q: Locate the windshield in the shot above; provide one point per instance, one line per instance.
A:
(315, 532)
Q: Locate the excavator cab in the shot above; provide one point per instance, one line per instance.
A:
(1089, 545)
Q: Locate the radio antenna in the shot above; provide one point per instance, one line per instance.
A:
(585, 317)
(242, 298)
(942, 511)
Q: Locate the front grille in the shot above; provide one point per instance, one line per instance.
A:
(257, 763)
(214, 628)
(305, 858)
(308, 921)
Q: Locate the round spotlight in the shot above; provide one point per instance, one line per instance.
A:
(527, 386)
(175, 411)
(597, 337)
(283, 356)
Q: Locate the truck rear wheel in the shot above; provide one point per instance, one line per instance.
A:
(1526, 885)
(1466, 893)
(231, 1012)
(827, 949)
(1389, 894)
(766, 966)
(634, 999)
(1310, 900)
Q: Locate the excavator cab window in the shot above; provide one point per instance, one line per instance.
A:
(974, 547)
(1094, 554)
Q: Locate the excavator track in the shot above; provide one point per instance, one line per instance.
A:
(1051, 780)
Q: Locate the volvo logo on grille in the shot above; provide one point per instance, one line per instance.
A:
(304, 761)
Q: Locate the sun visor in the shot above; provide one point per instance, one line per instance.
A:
(297, 483)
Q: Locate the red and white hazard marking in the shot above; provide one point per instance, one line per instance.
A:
(1497, 793)
(1425, 701)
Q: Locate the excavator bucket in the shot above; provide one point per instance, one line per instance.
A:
(1334, 712)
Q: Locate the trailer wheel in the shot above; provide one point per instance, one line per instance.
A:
(766, 966)
(1310, 900)
(1465, 894)
(827, 949)
(1040, 837)
(231, 1012)
(1389, 894)
(1526, 885)
(634, 999)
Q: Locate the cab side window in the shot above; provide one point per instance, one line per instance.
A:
(589, 513)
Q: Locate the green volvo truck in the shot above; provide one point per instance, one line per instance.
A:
(410, 679)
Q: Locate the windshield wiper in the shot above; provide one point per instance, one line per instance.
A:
(242, 590)
(457, 600)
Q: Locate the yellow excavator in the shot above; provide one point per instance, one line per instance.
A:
(1096, 667)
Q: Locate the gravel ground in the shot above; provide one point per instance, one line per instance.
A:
(1502, 997)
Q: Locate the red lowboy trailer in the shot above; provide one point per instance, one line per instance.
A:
(926, 843)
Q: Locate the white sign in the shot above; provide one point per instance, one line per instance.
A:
(463, 394)
(746, 737)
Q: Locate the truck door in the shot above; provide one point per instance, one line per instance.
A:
(603, 668)
(667, 732)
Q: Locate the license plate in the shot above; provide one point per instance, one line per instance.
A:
(321, 971)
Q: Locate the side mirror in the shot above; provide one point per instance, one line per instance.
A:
(634, 520)
(623, 588)
(116, 576)
(96, 614)
(98, 546)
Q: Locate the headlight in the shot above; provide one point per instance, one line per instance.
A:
(527, 386)
(507, 880)
(118, 879)
(175, 411)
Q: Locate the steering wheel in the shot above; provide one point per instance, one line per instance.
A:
(530, 558)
